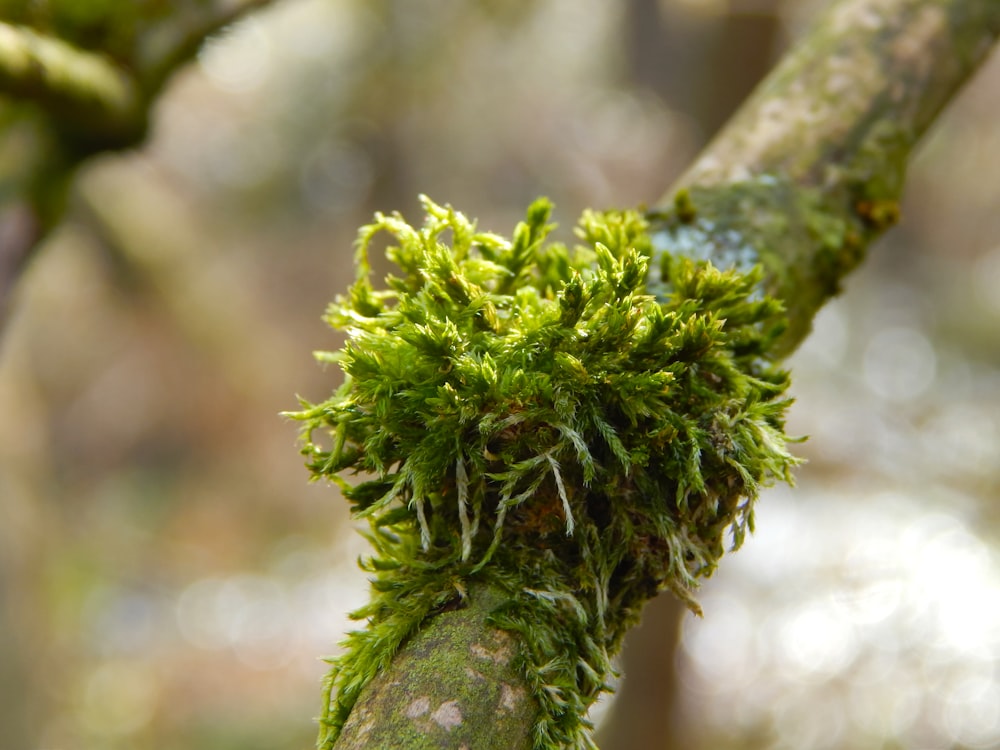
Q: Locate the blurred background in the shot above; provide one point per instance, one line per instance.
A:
(169, 579)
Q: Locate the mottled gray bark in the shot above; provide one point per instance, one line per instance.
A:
(455, 685)
(810, 170)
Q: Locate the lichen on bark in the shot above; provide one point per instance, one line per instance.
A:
(810, 171)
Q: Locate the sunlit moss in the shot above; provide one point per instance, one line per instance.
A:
(527, 415)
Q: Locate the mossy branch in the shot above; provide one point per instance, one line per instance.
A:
(811, 169)
(450, 682)
(806, 176)
(572, 428)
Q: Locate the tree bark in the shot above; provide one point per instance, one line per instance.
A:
(810, 170)
(803, 178)
(452, 681)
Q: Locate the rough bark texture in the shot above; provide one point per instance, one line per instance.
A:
(811, 169)
(805, 176)
(455, 685)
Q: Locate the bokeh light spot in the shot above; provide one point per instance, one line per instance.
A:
(721, 647)
(972, 712)
(119, 698)
(815, 643)
(239, 60)
(899, 364)
(336, 177)
(826, 346)
(248, 613)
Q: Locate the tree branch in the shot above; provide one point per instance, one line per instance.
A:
(806, 175)
(88, 103)
(810, 170)
(450, 682)
(83, 87)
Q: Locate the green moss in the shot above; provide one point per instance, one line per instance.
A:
(684, 206)
(553, 422)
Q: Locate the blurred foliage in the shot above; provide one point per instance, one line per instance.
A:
(97, 24)
(168, 578)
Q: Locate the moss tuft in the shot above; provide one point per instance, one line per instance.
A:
(527, 415)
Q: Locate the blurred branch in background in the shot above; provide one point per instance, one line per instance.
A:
(702, 58)
(85, 92)
(85, 75)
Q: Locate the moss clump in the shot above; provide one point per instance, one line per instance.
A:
(526, 415)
